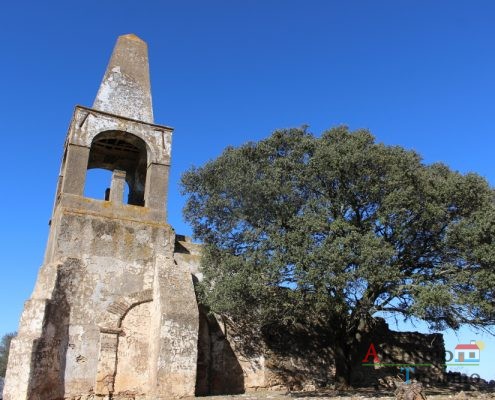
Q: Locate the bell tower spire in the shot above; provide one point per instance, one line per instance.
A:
(125, 89)
(112, 312)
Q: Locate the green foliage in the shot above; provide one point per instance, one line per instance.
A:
(340, 225)
(4, 351)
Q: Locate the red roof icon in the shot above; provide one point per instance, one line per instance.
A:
(472, 346)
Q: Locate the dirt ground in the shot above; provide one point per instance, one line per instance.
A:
(431, 394)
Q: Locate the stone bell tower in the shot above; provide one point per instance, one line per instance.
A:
(112, 315)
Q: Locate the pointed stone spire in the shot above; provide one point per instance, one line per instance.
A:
(125, 89)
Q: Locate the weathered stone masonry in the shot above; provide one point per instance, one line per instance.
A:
(112, 313)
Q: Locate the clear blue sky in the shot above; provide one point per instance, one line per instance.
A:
(420, 74)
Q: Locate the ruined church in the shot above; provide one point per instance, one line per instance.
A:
(114, 314)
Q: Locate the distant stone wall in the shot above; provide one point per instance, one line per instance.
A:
(233, 359)
(277, 358)
(423, 352)
(298, 357)
(302, 358)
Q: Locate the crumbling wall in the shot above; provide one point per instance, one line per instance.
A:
(301, 357)
(398, 350)
(298, 357)
(234, 358)
(111, 313)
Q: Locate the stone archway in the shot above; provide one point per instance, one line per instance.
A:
(123, 362)
(119, 150)
(132, 363)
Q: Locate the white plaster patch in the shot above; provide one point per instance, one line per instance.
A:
(181, 347)
(135, 267)
(148, 279)
(142, 236)
(104, 93)
(167, 144)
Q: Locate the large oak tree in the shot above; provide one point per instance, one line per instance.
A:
(341, 228)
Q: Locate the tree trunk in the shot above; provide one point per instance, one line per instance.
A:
(341, 350)
(351, 337)
(342, 367)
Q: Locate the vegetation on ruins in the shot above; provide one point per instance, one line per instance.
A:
(4, 351)
(342, 228)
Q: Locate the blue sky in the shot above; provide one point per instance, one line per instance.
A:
(419, 74)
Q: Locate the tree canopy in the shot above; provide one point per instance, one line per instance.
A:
(4, 351)
(342, 228)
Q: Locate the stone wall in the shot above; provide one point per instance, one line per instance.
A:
(219, 368)
(300, 357)
(425, 351)
(111, 314)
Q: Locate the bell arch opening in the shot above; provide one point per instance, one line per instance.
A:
(98, 181)
(121, 151)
